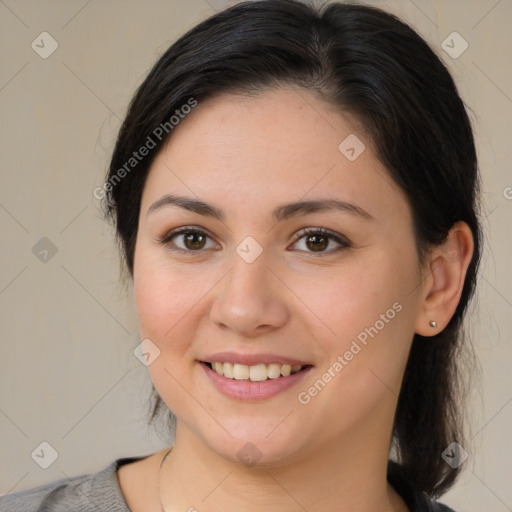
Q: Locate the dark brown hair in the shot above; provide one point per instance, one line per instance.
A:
(367, 62)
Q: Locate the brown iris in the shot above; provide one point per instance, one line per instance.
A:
(319, 242)
(194, 240)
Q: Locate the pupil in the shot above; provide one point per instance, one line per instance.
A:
(316, 244)
(190, 241)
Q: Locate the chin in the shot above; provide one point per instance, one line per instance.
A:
(256, 448)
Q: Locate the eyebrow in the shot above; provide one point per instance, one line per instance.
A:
(280, 213)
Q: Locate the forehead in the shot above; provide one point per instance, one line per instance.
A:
(280, 144)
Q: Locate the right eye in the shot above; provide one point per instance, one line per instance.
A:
(188, 240)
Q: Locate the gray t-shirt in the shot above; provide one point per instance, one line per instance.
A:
(100, 491)
(92, 492)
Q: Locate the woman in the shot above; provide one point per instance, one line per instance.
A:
(295, 193)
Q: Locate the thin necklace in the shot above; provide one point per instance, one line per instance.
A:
(160, 480)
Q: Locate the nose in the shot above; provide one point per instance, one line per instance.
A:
(251, 300)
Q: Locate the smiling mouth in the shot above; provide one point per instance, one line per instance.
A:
(254, 373)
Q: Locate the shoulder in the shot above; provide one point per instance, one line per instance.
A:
(63, 494)
(83, 493)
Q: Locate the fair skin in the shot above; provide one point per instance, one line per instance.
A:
(246, 156)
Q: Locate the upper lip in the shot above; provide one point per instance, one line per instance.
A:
(252, 359)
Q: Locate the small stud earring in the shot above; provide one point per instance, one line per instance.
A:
(433, 324)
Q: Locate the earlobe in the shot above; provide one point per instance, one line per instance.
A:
(448, 265)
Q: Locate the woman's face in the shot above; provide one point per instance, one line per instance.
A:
(252, 282)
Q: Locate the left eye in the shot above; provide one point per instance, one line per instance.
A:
(318, 240)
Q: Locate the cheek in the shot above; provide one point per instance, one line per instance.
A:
(367, 342)
(366, 314)
(164, 300)
(354, 296)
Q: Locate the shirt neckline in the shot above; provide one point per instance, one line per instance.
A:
(107, 478)
(415, 501)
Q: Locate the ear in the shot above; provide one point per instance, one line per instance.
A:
(442, 286)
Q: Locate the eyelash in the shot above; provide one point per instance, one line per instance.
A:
(344, 243)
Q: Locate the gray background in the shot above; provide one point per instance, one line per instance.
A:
(68, 375)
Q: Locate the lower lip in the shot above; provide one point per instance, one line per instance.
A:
(249, 391)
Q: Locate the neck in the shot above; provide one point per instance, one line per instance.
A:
(349, 475)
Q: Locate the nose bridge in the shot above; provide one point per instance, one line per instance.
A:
(253, 276)
(248, 300)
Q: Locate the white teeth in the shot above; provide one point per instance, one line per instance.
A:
(218, 367)
(274, 371)
(227, 370)
(240, 371)
(258, 372)
(255, 373)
